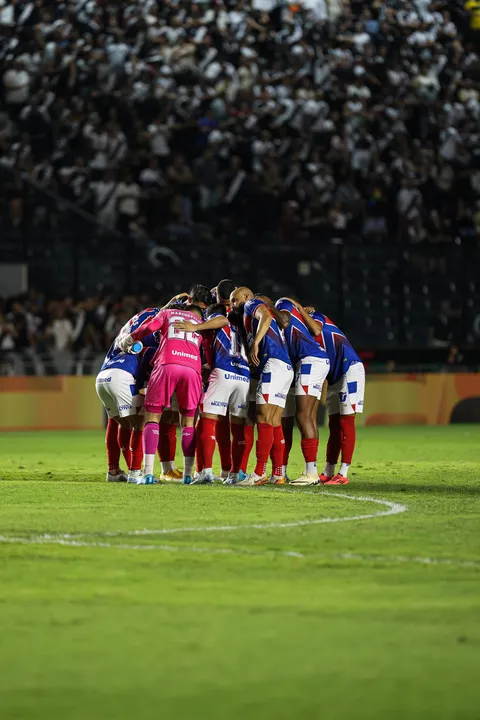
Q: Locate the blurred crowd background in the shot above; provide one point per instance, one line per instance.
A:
(324, 149)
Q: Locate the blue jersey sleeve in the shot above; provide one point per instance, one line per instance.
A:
(251, 307)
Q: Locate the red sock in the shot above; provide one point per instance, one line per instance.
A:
(167, 442)
(310, 449)
(347, 423)
(249, 433)
(200, 460)
(263, 447)
(207, 439)
(334, 444)
(238, 446)
(124, 443)
(113, 448)
(278, 449)
(224, 444)
(136, 449)
(288, 437)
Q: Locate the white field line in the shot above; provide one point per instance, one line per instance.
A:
(333, 557)
(393, 508)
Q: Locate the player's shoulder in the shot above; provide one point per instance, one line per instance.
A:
(252, 305)
(284, 304)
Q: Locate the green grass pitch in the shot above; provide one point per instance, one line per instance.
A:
(364, 618)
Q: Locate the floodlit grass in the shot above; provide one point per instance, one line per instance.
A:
(375, 618)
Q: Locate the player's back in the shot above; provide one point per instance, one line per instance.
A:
(227, 351)
(116, 358)
(300, 341)
(178, 347)
(339, 350)
(273, 344)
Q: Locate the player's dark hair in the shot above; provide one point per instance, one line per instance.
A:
(235, 318)
(225, 289)
(195, 309)
(175, 305)
(200, 294)
(216, 309)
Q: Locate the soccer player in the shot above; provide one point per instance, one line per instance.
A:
(221, 296)
(118, 386)
(268, 353)
(176, 369)
(167, 446)
(311, 368)
(345, 396)
(226, 392)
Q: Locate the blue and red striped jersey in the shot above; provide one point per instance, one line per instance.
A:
(340, 352)
(300, 341)
(273, 344)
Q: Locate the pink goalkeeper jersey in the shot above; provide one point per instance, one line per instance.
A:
(176, 347)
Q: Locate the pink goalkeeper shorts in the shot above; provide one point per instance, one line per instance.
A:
(168, 379)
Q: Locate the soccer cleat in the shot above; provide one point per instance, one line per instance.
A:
(232, 479)
(278, 479)
(178, 474)
(253, 479)
(203, 478)
(224, 475)
(172, 476)
(324, 478)
(148, 480)
(120, 476)
(187, 480)
(241, 475)
(336, 480)
(134, 476)
(305, 480)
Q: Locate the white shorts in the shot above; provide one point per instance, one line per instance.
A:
(346, 396)
(274, 383)
(117, 390)
(226, 392)
(310, 375)
(290, 404)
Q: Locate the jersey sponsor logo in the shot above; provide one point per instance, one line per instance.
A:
(104, 380)
(342, 396)
(180, 353)
(125, 407)
(217, 403)
(241, 407)
(239, 365)
(236, 377)
(280, 395)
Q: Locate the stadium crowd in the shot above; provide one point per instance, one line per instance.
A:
(354, 118)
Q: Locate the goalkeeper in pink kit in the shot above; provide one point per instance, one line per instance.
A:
(176, 369)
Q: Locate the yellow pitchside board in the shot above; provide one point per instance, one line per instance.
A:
(71, 403)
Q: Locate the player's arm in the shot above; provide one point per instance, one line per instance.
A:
(215, 323)
(146, 329)
(176, 298)
(314, 326)
(265, 320)
(282, 317)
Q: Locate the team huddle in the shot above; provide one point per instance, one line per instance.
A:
(218, 363)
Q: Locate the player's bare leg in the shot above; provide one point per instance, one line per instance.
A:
(306, 415)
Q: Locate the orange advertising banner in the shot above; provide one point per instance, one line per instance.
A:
(71, 403)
